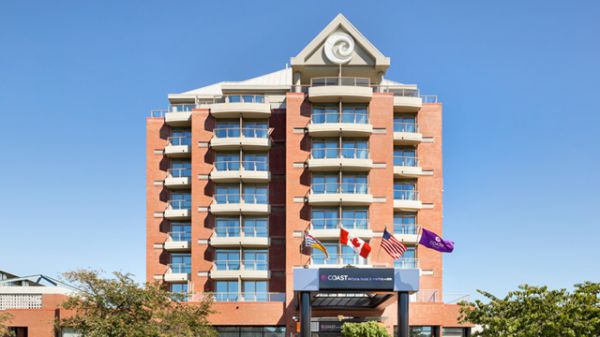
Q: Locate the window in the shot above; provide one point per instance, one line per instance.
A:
(181, 263)
(227, 194)
(325, 114)
(246, 99)
(355, 218)
(405, 190)
(405, 156)
(324, 183)
(226, 291)
(227, 161)
(226, 129)
(180, 200)
(181, 289)
(227, 227)
(324, 148)
(357, 149)
(180, 137)
(180, 168)
(181, 231)
(256, 227)
(256, 194)
(355, 114)
(227, 259)
(354, 183)
(453, 332)
(255, 129)
(251, 331)
(418, 331)
(405, 223)
(182, 107)
(408, 260)
(324, 218)
(318, 257)
(255, 259)
(256, 161)
(405, 123)
(255, 291)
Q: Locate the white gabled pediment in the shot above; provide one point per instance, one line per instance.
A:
(364, 52)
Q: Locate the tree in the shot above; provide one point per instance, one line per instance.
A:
(119, 307)
(4, 318)
(537, 312)
(364, 329)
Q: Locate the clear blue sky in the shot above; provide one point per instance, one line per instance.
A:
(519, 82)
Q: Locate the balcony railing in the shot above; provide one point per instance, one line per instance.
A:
(245, 99)
(241, 265)
(338, 259)
(248, 297)
(349, 117)
(180, 204)
(180, 140)
(406, 229)
(346, 81)
(407, 263)
(427, 295)
(180, 172)
(180, 268)
(406, 127)
(180, 236)
(248, 198)
(241, 132)
(239, 231)
(400, 91)
(406, 195)
(406, 161)
(346, 153)
(247, 165)
(349, 223)
(336, 188)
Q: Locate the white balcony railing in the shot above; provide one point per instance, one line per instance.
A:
(241, 265)
(237, 165)
(346, 117)
(406, 229)
(406, 195)
(244, 99)
(348, 223)
(410, 161)
(247, 198)
(338, 259)
(246, 132)
(341, 153)
(410, 127)
(248, 297)
(336, 81)
(235, 231)
(337, 188)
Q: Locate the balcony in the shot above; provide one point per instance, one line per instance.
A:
(346, 159)
(340, 260)
(407, 167)
(235, 236)
(179, 147)
(230, 204)
(347, 123)
(178, 178)
(234, 269)
(407, 200)
(245, 171)
(406, 98)
(336, 89)
(178, 241)
(349, 194)
(247, 106)
(177, 272)
(329, 229)
(179, 115)
(406, 263)
(249, 297)
(407, 233)
(407, 134)
(178, 210)
(241, 138)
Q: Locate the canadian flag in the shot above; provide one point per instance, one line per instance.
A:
(360, 246)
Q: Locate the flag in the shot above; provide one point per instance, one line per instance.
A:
(391, 245)
(360, 246)
(431, 240)
(312, 242)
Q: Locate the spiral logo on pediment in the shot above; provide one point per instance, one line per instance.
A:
(339, 48)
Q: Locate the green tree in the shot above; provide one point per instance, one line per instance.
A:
(364, 329)
(119, 307)
(4, 318)
(537, 312)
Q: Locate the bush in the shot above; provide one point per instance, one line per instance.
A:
(364, 329)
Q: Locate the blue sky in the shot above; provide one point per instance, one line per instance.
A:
(519, 82)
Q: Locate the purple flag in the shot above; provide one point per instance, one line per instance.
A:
(431, 240)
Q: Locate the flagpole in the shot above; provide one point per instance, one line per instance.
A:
(379, 250)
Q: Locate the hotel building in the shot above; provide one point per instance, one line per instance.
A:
(238, 171)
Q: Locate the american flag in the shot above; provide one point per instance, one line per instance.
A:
(392, 246)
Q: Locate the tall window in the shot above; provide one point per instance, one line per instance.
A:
(256, 194)
(227, 161)
(325, 114)
(227, 194)
(256, 259)
(355, 218)
(405, 223)
(349, 256)
(256, 227)
(225, 129)
(324, 218)
(354, 183)
(256, 161)
(256, 129)
(408, 260)
(227, 226)
(246, 99)
(226, 291)
(405, 156)
(355, 114)
(405, 190)
(358, 149)
(179, 288)
(180, 137)
(180, 168)
(180, 200)
(181, 263)
(255, 291)
(318, 257)
(182, 107)
(325, 148)
(405, 123)
(325, 183)
(181, 231)
(227, 259)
